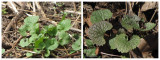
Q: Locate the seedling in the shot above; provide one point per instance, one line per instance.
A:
(4, 11)
(46, 39)
(120, 41)
(132, 22)
(3, 50)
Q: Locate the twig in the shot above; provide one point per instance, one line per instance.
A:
(74, 29)
(153, 15)
(74, 4)
(126, 7)
(74, 54)
(109, 54)
(34, 9)
(54, 55)
(76, 20)
(66, 50)
(13, 46)
(14, 8)
(40, 9)
(7, 40)
(72, 12)
(20, 14)
(27, 50)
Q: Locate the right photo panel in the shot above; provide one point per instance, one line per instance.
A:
(120, 29)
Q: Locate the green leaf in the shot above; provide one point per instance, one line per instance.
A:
(64, 25)
(51, 44)
(121, 43)
(64, 38)
(3, 50)
(51, 30)
(77, 45)
(97, 31)
(42, 45)
(129, 23)
(22, 30)
(29, 54)
(4, 11)
(149, 26)
(33, 38)
(100, 15)
(47, 53)
(34, 28)
(89, 43)
(24, 42)
(90, 52)
(39, 41)
(31, 20)
(37, 51)
(30, 24)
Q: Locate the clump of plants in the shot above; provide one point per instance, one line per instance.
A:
(46, 39)
(120, 41)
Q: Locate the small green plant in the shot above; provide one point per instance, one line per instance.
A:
(3, 50)
(4, 11)
(91, 51)
(120, 41)
(46, 39)
(132, 22)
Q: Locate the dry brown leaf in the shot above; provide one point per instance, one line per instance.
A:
(149, 5)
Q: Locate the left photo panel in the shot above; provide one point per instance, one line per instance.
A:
(41, 29)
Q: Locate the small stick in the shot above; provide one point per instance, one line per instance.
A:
(75, 29)
(126, 8)
(14, 8)
(13, 46)
(66, 50)
(20, 14)
(40, 9)
(153, 15)
(76, 20)
(72, 12)
(34, 8)
(74, 7)
(109, 54)
(71, 55)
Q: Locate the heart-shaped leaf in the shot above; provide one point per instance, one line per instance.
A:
(129, 23)
(64, 25)
(100, 15)
(51, 44)
(121, 43)
(24, 42)
(30, 24)
(64, 38)
(77, 45)
(90, 52)
(132, 22)
(97, 31)
(149, 26)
